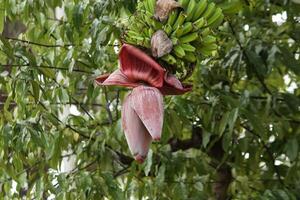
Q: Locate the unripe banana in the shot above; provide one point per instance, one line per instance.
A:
(178, 32)
(172, 17)
(188, 47)
(200, 7)
(168, 29)
(209, 10)
(137, 38)
(186, 28)
(132, 33)
(180, 19)
(156, 24)
(169, 59)
(145, 33)
(184, 3)
(150, 32)
(217, 14)
(174, 41)
(151, 5)
(199, 24)
(204, 51)
(209, 39)
(190, 11)
(189, 38)
(146, 5)
(218, 22)
(205, 32)
(208, 49)
(179, 52)
(146, 43)
(190, 57)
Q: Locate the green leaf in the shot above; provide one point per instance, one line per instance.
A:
(206, 138)
(289, 60)
(255, 63)
(78, 16)
(36, 90)
(223, 123)
(292, 148)
(160, 175)
(147, 168)
(48, 72)
(2, 16)
(227, 137)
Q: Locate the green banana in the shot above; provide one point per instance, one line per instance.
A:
(145, 19)
(205, 32)
(151, 6)
(169, 59)
(215, 18)
(209, 10)
(189, 38)
(210, 47)
(217, 13)
(186, 28)
(146, 5)
(188, 47)
(145, 32)
(190, 57)
(207, 50)
(199, 24)
(179, 52)
(180, 19)
(172, 17)
(174, 40)
(190, 10)
(137, 38)
(168, 29)
(184, 3)
(156, 24)
(132, 33)
(209, 39)
(178, 31)
(150, 32)
(200, 7)
(218, 22)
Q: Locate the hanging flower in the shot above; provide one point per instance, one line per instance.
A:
(142, 110)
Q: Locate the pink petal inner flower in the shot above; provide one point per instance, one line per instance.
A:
(137, 136)
(147, 102)
(138, 66)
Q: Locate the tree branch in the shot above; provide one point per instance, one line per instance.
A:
(39, 44)
(45, 66)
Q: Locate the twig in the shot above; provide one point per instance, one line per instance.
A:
(248, 59)
(268, 152)
(40, 44)
(44, 66)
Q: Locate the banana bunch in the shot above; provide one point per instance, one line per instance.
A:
(190, 28)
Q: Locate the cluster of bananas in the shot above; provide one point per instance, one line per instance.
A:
(189, 27)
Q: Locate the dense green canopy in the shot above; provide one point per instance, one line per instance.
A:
(235, 135)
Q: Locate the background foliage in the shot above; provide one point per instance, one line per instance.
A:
(236, 135)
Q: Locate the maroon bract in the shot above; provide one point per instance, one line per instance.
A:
(142, 111)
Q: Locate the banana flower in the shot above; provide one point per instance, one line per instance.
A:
(142, 109)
